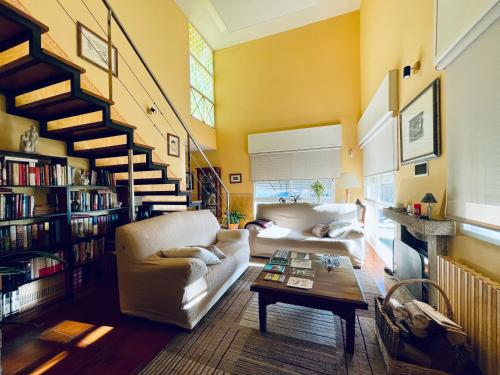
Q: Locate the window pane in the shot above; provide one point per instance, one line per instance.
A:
(201, 80)
(200, 49)
(272, 191)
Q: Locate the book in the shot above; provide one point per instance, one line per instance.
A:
(300, 263)
(278, 261)
(274, 277)
(299, 255)
(297, 282)
(283, 254)
(302, 272)
(274, 268)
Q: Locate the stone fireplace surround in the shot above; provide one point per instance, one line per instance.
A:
(434, 233)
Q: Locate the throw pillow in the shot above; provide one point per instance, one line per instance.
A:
(320, 230)
(338, 228)
(214, 250)
(191, 252)
(354, 233)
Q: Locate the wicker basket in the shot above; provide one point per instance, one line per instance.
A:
(388, 335)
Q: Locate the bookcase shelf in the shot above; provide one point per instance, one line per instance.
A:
(76, 275)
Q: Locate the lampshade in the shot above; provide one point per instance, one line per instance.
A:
(428, 198)
(348, 180)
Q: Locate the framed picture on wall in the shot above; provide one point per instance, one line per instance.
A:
(174, 147)
(235, 178)
(94, 49)
(419, 126)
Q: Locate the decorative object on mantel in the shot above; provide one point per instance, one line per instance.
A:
(29, 140)
(429, 199)
(419, 126)
(348, 180)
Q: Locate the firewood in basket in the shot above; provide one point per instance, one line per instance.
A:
(418, 318)
(397, 309)
(417, 332)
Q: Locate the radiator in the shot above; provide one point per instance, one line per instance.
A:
(476, 307)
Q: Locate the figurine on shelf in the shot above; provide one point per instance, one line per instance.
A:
(84, 179)
(29, 140)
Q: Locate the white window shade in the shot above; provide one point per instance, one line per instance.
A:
(380, 153)
(472, 103)
(295, 165)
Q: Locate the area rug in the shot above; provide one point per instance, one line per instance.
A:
(299, 340)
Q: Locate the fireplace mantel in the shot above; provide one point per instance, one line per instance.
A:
(434, 232)
(422, 226)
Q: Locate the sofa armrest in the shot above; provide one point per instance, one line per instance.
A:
(232, 235)
(162, 271)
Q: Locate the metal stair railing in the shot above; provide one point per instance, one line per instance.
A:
(113, 16)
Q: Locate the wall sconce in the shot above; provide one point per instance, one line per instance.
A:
(152, 110)
(407, 70)
(351, 153)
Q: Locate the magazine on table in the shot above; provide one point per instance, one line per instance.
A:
(301, 263)
(302, 272)
(274, 268)
(299, 255)
(297, 282)
(276, 277)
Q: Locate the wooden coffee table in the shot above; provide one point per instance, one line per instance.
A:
(336, 290)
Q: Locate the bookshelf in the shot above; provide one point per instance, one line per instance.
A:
(48, 205)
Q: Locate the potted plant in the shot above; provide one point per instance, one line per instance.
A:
(234, 218)
(318, 189)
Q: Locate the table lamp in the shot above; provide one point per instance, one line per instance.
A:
(429, 199)
(347, 180)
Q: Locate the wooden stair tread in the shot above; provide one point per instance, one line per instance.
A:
(64, 60)
(12, 32)
(86, 132)
(112, 151)
(28, 74)
(138, 167)
(100, 97)
(124, 124)
(57, 106)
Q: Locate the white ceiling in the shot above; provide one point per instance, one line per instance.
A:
(224, 23)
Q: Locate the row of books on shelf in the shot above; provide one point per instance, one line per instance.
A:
(30, 172)
(33, 269)
(16, 206)
(91, 177)
(92, 201)
(89, 250)
(33, 294)
(18, 237)
(85, 226)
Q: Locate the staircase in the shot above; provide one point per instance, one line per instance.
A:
(39, 69)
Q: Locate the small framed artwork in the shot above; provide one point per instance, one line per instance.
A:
(235, 178)
(94, 49)
(174, 148)
(419, 126)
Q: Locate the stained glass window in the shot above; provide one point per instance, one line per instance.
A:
(201, 70)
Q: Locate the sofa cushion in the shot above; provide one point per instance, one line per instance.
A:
(320, 230)
(191, 252)
(338, 228)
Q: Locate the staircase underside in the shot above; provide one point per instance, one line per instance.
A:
(39, 69)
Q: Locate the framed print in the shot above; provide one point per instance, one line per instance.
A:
(94, 49)
(174, 148)
(235, 178)
(419, 126)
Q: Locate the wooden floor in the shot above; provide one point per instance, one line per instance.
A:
(91, 336)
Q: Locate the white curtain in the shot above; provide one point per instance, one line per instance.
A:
(472, 103)
(295, 165)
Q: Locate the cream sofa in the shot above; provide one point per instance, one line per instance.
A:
(292, 230)
(176, 290)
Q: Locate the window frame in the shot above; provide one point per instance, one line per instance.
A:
(480, 233)
(191, 86)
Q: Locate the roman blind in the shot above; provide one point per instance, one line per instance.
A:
(472, 104)
(300, 154)
(377, 129)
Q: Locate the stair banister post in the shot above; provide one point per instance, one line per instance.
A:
(110, 56)
(131, 204)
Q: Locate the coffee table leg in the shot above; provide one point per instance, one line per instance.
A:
(262, 313)
(350, 331)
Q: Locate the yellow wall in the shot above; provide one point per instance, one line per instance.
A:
(395, 33)
(300, 78)
(163, 40)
